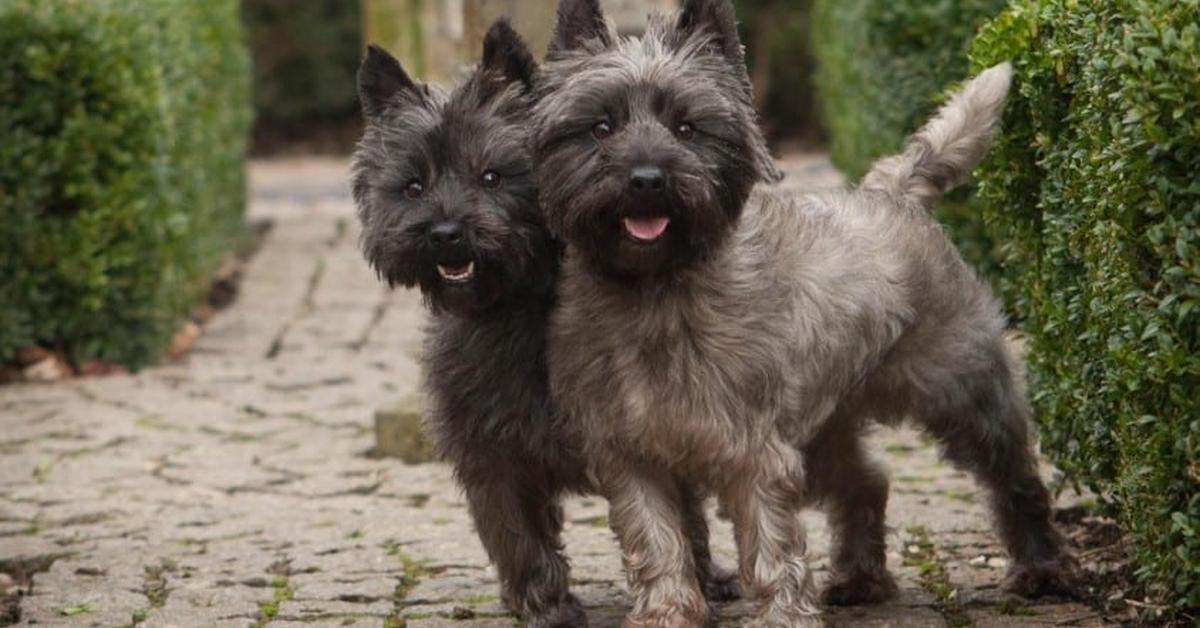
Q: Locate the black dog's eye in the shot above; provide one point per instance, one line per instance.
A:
(685, 131)
(414, 189)
(490, 179)
(602, 130)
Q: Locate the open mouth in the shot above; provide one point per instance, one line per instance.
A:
(457, 273)
(646, 228)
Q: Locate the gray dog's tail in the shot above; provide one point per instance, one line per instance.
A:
(943, 153)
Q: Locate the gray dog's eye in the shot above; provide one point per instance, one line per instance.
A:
(490, 179)
(414, 189)
(685, 131)
(602, 130)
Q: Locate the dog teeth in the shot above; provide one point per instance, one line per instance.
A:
(457, 273)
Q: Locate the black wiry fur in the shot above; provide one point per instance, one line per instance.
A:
(485, 352)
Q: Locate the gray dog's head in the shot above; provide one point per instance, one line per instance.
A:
(443, 182)
(648, 147)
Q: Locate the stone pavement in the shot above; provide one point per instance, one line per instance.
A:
(233, 488)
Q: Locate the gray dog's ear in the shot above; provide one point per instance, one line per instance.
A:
(506, 56)
(716, 17)
(578, 22)
(380, 79)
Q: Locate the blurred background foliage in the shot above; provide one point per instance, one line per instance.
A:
(778, 49)
(884, 67)
(305, 55)
(306, 52)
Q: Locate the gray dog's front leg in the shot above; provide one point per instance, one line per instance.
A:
(646, 512)
(764, 501)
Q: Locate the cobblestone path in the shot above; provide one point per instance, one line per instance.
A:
(233, 488)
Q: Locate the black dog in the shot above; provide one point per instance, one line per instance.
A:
(447, 202)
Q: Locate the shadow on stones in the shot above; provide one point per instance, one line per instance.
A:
(16, 581)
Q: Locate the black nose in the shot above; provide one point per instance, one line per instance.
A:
(647, 179)
(449, 232)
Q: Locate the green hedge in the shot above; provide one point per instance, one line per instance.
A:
(1094, 187)
(882, 70)
(121, 183)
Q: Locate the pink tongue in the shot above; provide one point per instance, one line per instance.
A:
(647, 228)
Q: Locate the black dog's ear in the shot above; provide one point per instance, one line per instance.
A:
(716, 17)
(380, 79)
(506, 56)
(578, 22)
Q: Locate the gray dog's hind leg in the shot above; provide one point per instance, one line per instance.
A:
(520, 529)
(984, 429)
(853, 491)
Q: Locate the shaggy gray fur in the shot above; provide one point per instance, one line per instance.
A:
(749, 346)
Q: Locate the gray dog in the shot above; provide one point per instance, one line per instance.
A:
(445, 194)
(745, 340)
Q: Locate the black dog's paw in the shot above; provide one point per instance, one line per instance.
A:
(860, 588)
(1058, 576)
(722, 586)
(568, 613)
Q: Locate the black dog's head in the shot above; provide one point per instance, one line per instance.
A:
(443, 182)
(647, 148)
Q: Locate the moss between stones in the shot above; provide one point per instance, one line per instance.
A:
(920, 553)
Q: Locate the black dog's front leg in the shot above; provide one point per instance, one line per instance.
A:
(520, 527)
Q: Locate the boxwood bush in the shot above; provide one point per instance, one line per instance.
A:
(1094, 187)
(882, 69)
(121, 183)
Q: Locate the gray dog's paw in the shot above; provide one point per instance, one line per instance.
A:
(1058, 576)
(860, 588)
